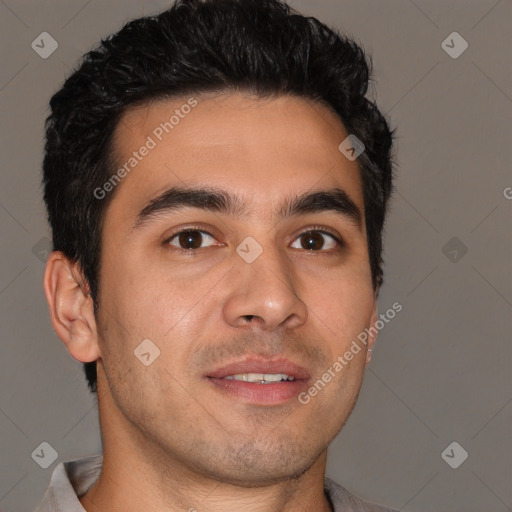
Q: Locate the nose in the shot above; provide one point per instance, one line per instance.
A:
(263, 293)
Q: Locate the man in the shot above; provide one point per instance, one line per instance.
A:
(217, 184)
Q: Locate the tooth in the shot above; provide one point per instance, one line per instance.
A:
(254, 377)
(274, 377)
(241, 376)
(262, 378)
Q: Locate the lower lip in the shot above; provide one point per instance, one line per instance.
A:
(260, 394)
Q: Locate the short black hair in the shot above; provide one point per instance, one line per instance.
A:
(258, 46)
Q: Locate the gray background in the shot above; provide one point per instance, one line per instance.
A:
(441, 368)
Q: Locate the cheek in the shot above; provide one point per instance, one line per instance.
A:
(341, 303)
(157, 301)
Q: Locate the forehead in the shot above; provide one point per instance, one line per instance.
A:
(261, 149)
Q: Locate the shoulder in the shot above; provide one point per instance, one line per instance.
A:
(344, 501)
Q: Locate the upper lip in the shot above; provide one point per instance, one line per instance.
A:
(261, 365)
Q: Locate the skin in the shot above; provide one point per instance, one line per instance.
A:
(171, 441)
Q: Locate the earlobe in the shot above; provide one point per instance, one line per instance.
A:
(71, 307)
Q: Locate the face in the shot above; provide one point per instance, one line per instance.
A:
(260, 286)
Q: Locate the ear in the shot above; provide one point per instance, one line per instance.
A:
(71, 307)
(372, 338)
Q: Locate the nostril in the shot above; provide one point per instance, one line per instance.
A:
(253, 319)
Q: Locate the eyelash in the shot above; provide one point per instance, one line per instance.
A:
(193, 252)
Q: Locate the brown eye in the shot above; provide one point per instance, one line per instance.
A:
(315, 241)
(189, 239)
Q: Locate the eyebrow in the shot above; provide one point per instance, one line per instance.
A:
(220, 201)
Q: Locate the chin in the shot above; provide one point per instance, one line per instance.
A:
(253, 466)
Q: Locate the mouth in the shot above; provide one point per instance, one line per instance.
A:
(260, 381)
